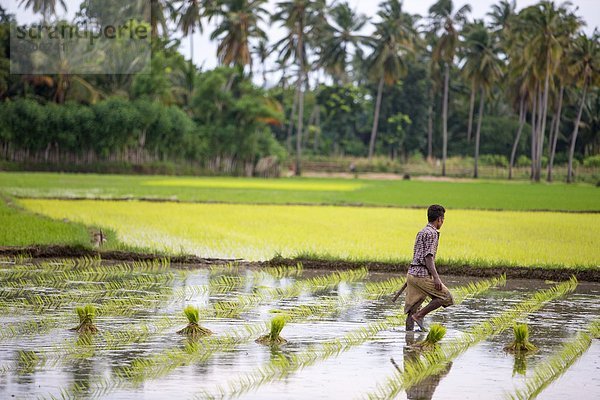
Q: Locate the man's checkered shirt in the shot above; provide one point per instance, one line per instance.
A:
(426, 243)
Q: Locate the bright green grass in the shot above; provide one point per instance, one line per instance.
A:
(465, 194)
(257, 232)
(18, 228)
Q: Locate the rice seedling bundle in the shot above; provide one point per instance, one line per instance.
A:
(557, 364)
(86, 316)
(431, 363)
(435, 334)
(193, 329)
(521, 344)
(282, 366)
(273, 338)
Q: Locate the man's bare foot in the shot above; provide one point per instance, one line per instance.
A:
(419, 321)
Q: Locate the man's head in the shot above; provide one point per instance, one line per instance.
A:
(435, 215)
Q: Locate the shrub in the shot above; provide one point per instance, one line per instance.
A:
(592, 161)
(495, 160)
(523, 161)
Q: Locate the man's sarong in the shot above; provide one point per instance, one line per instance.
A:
(418, 288)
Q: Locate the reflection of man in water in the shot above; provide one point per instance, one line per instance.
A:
(422, 280)
(424, 389)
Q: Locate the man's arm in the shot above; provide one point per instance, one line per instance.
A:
(430, 264)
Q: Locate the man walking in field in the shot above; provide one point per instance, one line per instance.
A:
(422, 280)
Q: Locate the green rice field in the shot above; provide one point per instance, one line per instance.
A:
(260, 232)
(497, 195)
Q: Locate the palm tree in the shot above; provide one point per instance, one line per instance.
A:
(46, 7)
(262, 51)
(238, 23)
(502, 14)
(157, 17)
(188, 16)
(543, 25)
(586, 66)
(298, 17)
(446, 21)
(562, 78)
(482, 67)
(394, 40)
(340, 37)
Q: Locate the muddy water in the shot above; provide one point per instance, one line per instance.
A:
(484, 371)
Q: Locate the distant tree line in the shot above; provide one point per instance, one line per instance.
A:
(524, 84)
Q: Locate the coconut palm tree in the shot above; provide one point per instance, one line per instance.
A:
(562, 78)
(188, 15)
(447, 23)
(482, 67)
(585, 65)
(46, 7)
(543, 24)
(340, 38)
(238, 24)
(502, 14)
(298, 18)
(157, 18)
(394, 40)
(262, 51)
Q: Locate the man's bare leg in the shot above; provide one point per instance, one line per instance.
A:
(419, 315)
(410, 322)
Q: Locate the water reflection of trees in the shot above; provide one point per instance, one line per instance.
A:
(425, 389)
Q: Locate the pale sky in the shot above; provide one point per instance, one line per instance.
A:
(205, 50)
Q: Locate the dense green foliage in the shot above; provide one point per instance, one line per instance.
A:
(220, 121)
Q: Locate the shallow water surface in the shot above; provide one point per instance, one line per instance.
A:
(138, 355)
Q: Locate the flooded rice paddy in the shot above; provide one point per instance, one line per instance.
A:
(345, 338)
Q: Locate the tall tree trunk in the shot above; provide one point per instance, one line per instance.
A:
(518, 137)
(318, 131)
(430, 132)
(555, 134)
(478, 133)
(471, 110)
(445, 118)
(311, 122)
(376, 118)
(300, 90)
(288, 139)
(533, 131)
(574, 135)
(192, 46)
(544, 115)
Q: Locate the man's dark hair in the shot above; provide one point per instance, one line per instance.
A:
(434, 212)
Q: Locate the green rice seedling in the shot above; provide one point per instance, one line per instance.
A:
(435, 334)
(86, 319)
(193, 329)
(283, 366)
(434, 361)
(521, 344)
(142, 369)
(554, 366)
(273, 337)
